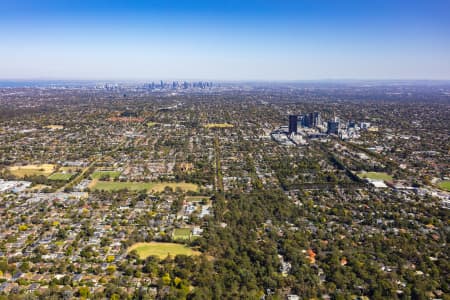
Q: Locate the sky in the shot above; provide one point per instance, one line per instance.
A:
(225, 40)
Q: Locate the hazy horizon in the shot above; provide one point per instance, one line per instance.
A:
(225, 40)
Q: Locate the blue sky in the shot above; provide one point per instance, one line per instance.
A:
(225, 40)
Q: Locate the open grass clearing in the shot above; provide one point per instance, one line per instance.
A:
(445, 185)
(98, 174)
(61, 176)
(139, 186)
(162, 250)
(32, 170)
(112, 186)
(70, 169)
(376, 176)
(181, 233)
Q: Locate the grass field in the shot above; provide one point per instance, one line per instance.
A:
(101, 173)
(61, 176)
(70, 169)
(218, 125)
(375, 176)
(445, 185)
(139, 186)
(31, 170)
(162, 250)
(181, 233)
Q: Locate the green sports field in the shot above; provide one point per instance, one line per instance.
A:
(60, 176)
(376, 176)
(105, 173)
(181, 233)
(162, 250)
(111, 186)
(445, 185)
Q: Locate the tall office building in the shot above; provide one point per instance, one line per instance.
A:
(292, 124)
(305, 121)
(333, 127)
(316, 119)
(300, 121)
(311, 120)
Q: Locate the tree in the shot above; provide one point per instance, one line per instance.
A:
(84, 292)
(110, 270)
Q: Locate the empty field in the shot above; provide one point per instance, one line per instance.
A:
(32, 170)
(181, 233)
(445, 185)
(218, 125)
(70, 169)
(162, 250)
(375, 176)
(61, 176)
(105, 173)
(139, 186)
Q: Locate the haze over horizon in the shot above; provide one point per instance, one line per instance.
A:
(225, 40)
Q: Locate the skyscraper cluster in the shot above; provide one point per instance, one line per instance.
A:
(175, 85)
(311, 120)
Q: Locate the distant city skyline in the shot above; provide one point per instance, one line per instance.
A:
(225, 40)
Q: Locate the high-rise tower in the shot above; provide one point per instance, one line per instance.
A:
(292, 124)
